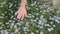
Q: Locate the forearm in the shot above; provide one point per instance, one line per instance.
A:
(23, 3)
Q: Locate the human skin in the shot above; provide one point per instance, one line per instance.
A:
(22, 12)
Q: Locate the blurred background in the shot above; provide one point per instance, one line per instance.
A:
(42, 18)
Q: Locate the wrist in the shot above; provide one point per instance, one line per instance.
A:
(22, 6)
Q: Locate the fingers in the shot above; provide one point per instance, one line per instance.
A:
(18, 16)
(22, 17)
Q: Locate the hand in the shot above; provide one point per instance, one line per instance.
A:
(21, 13)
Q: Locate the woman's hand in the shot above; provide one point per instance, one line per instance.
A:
(21, 13)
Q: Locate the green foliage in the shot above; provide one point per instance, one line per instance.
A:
(42, 18)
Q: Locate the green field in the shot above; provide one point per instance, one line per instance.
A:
(42, 18)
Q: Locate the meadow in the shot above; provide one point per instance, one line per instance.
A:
(42, 18)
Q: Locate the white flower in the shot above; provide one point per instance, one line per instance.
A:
(3, 2)
(38, 26)
(5, 31)
(32, 4)
(41, 11)
(10, 20)
(37, 31)
(27, 23)
(25, 29)
(40, 22)
(36, 5)
(32, 32)
(2, 14)
(12, 16)
(1, 17)
(41, 27)
(41, 16)
(51, 22)
(49, 29)
(1, 31)
(11, 4)
(1, 22)
(47, 25)
(16, 30)
(25, 32)
(54, 25)
(36, 8)
(12, 24)
(41, 32)
(35, 20)
(0, 27)
(52, 29)
(13, 21)
(11, 33)
(15, 26)
(51, 18)
(57, 20)
(37, 14)
(58, 12)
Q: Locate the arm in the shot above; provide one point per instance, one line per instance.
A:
(23, 3)
(22, 10)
